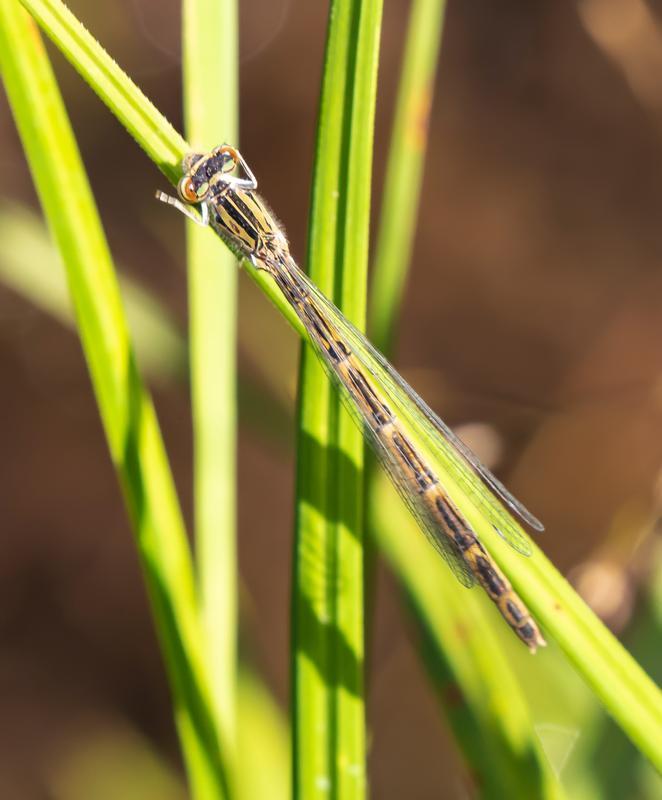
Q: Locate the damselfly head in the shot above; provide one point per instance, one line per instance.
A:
(200, 169)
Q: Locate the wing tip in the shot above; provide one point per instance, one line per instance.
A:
(527, 517)
(534, 523)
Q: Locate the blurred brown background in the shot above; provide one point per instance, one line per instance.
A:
(533, 307)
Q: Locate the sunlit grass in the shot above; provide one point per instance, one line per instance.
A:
(328, 646)
(327, 603)
(126, 409)
(211, 113)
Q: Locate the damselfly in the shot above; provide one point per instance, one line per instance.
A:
(431, 468)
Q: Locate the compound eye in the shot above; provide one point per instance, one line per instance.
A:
(230, 157)
(187, 190)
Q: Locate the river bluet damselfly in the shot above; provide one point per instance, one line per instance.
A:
(430, 467)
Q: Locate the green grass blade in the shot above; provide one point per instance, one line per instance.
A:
(210, 103)
(327, 603)
(400, 200)
(601, 761)
(613, 767)
(126, 410)
(404, 170)
(629, 695)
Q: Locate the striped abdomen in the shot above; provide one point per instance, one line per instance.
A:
(408, 469)
(453, 525)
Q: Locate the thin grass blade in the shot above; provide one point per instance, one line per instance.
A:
(327, 605)
(210, 103)
(126, 409)
(627, 692)
(404, 170)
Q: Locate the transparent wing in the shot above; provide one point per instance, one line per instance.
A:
(442, 541)
(479, 485)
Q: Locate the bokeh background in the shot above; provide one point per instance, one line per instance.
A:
(531, 322)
